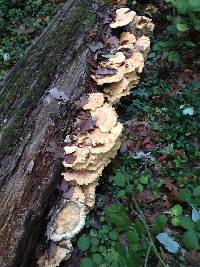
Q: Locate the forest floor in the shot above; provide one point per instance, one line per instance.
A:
(147, 210)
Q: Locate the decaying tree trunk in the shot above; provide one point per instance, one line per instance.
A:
(36, 105)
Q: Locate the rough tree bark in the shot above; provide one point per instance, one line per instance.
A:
(36, 105)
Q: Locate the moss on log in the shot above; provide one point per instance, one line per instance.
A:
(36, 104)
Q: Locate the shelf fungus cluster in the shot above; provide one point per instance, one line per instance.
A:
(126, 61)
(95, 138)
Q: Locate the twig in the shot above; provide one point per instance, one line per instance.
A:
(147, 256)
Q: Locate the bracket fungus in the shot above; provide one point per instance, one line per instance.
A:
(123, 17)
(67, 221)
(95, 138)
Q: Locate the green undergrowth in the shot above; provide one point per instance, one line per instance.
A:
(147, 211)
(20, 23)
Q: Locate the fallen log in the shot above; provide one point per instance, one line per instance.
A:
(36, 107)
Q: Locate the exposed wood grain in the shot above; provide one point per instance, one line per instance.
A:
(34, 121)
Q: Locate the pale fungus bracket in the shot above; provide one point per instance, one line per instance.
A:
(93, 101)
(123, 17)
(96, 135)
(67, 221)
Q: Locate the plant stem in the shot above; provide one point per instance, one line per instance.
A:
(147, 256)
(143, 220)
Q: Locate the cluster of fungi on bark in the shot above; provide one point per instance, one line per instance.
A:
(95, 138)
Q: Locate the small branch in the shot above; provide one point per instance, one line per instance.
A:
(147, 256)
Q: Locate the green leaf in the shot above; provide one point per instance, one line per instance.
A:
(116, 215)
(169, 244)
(132, 236)
(177, 210)
(121, 250)
(120, 180)
(134, 260)
(139, 188)
(187, 223)
(190, 240)
(197, 26)
(161, 220)
(175, 221)
(121, 194)
(144, 179)
(155, 229)
(83, 243)
(182, 27)
(184, 194)
(194, 3)
(189, 43)
(113, 235)
(97, 258)
(168, 149)
(196, 191)
(87, 262)
(182, 6)
(173, 56)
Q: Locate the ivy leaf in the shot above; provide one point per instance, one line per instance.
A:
(87, 262)
(194, 3)
(132, 236)
(185, 194)
(190, 240)
(175, 221)
(177, 210)
(173, 56)
(144, 179)
(113, 235)
(196, 191)
(161, 220)
(134, 260)
(97, 258)
(169, 244)
(120, 180)
(187, 223)
(168, 149)
(182, 27)
(117, 216)
(83, 243)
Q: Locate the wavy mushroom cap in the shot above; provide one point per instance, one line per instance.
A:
(80, 155)
(109, 79)
(94, 100)
(106, 117)
(117, 87)
(78, 194)
(89, 192)
(142, 25)
(124, 16)
(127, 38)
(82, 177)
(67, 222)
(114, 91)
(135, 62)
(116, 59)
(143, 45)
